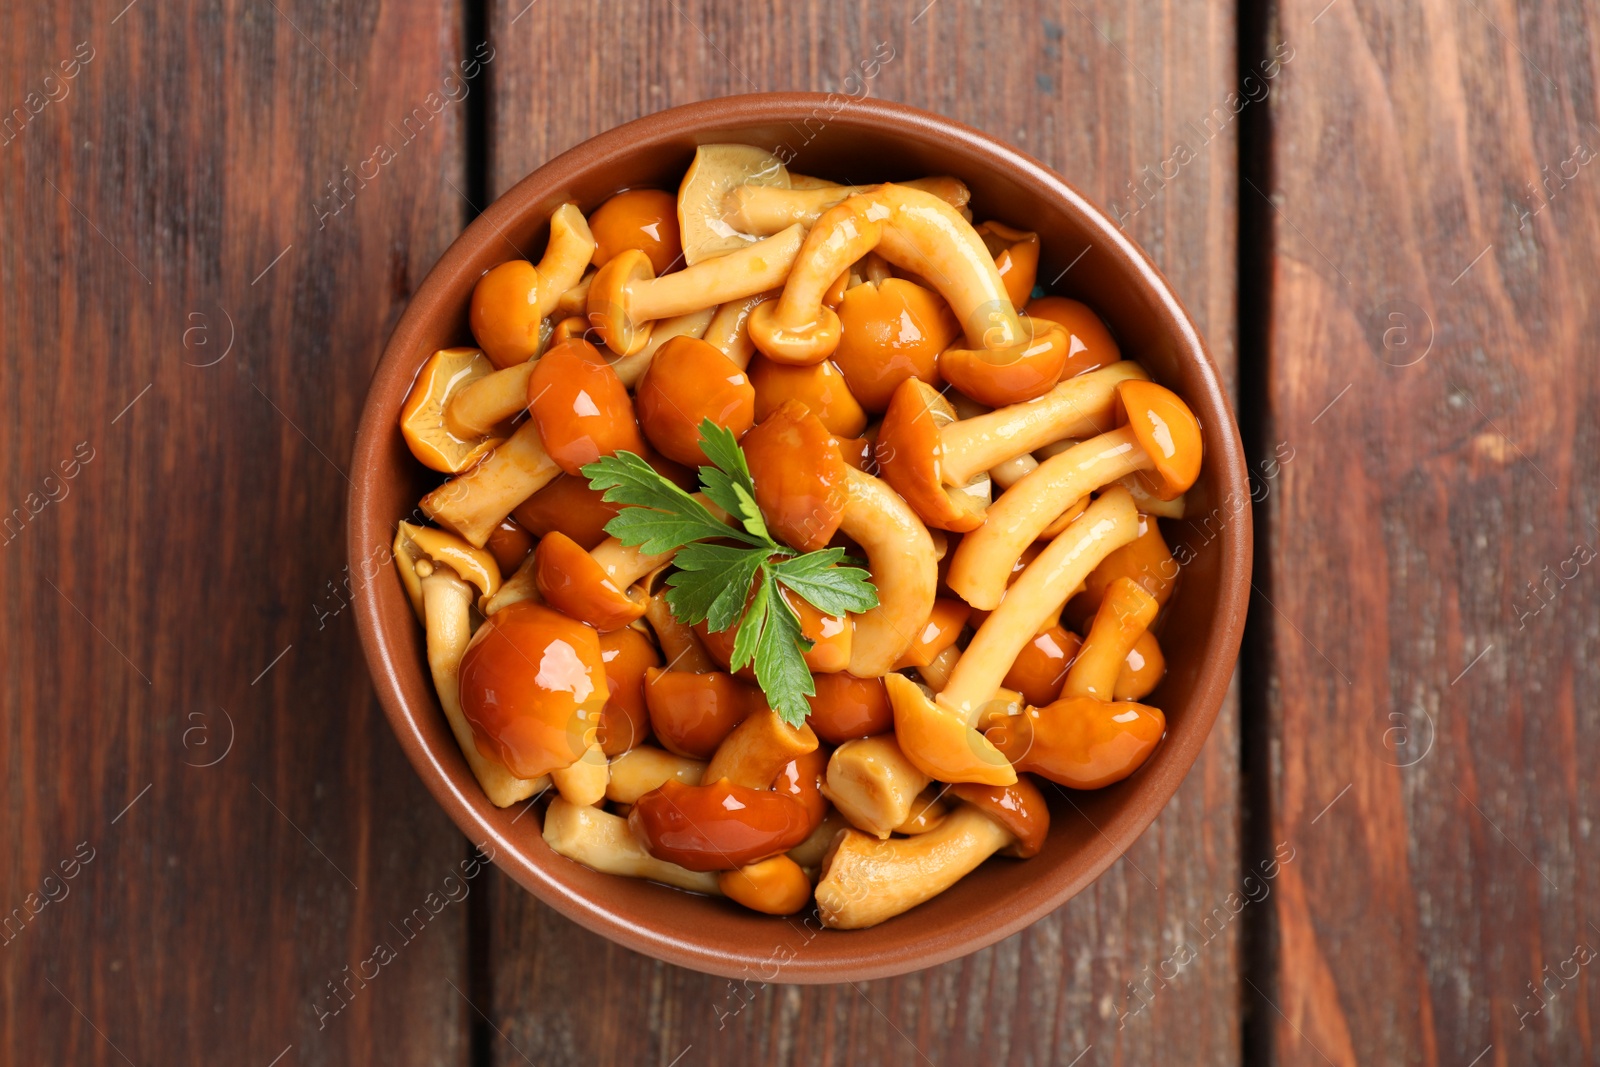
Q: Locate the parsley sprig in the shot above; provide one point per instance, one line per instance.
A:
(727, 576)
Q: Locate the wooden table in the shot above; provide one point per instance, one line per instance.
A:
(1381, 214)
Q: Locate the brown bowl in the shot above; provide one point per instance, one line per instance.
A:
(862, 141)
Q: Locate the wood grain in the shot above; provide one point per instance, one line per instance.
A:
(180, 599)
(1098, 91)
(1433, 720)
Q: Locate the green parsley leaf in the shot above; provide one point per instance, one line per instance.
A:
(661, 516)
(781, 666)
(732, 586)
(712, 582)
(817, 579)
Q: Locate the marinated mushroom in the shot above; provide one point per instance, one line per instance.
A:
(1161, 436)
(1035, 598)
(758, 749)
(1141, 671)
(774, 886)
(865, 880)
(717, 169)
(845, 708)
(904, 570)
(873, 784)
(1090, 345)
(802, 482)
(643, 219)
(1041, 666)
(626, 297)
(916, 230)
(603, 842)
(692, 713)
(728, 332)
(511, 301)
(763, 209)
(581, 407)
(509, 544)
(718, 826)
(533, 686)
(473, 503)
(639, 770)
(940, 741)
(1016, 258)
(423, 423)
(688, 382)
(593, 586)
(567, 505)
(634, 367)
(890, 331)
(427, 560)
(625, 720)
(819, 386)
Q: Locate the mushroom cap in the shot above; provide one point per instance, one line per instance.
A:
(703, 193)
(582, 407)
(1012, 374)
(1142, 670)
(571, 581)
(939, 742)
(692, 713)
(891, 331)
(845, 707)
(688, 382)
(1168, 432)
(609, 300)
(422, 420)
(1146, 559)
(1016, 257)
(798, 345)
(625, 721)
(718, 826)
(1080, 742)
(470, 563)
(774, 886)
(646, 219)
(911, 458)
(504, 313)
(800, 476)
(1089, 344)
(568, 505)
(509, 544)
(830, 636)
(944, 625)
(1041, 666)
(1019, 807)
(532, 687)
(819, 386)
(801, 779)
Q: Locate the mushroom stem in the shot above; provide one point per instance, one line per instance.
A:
(866, 880)
(982, 562)
(937, 673)
(584, 781)
(447, 604)
(522, 585)
(625, 565)
(626, 298)
(639, 770)
(764, 209)
(758, 748)
(566, 256)
(901, 558)
(603, 842)
(472, 504)
(1078, 407)
(729, 331)
(873, 783)
(1125, 613)
(680, 645)
(482, 405)
(1038, 594)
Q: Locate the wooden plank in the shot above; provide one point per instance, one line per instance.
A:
(1432, 710)
(1099, 91)
(190, 317)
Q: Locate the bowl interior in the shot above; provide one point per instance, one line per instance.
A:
(1085, 257)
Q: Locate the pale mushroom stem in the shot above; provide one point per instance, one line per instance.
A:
(447, 604)
(583, 782)
(566, 257)
(472, 504)
(1038, 593)
(901, 558)
(639, 770)
(759, 267)
(484, 404)
(602, 841)
(729, 331)
(1078, 407)
(625, 565)
(866, 881)
(522, 585)
(763, 209)
(937, 673)
(982, 562)
(758, 748)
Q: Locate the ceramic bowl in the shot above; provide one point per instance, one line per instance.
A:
(1084, 256)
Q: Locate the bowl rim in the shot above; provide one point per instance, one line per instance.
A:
(363, 530)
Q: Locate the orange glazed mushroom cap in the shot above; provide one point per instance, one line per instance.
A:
(533, 685)
(911, 457)
(1011, 374)
(1020, 808)
(689, 381)
(574, 582)
(609, 301)
(1168, 432)
(581, 406)
(1080, 742)
(800, 476)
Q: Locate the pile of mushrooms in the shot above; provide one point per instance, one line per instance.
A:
(901, 388)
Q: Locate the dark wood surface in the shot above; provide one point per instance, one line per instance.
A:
(190, 312)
